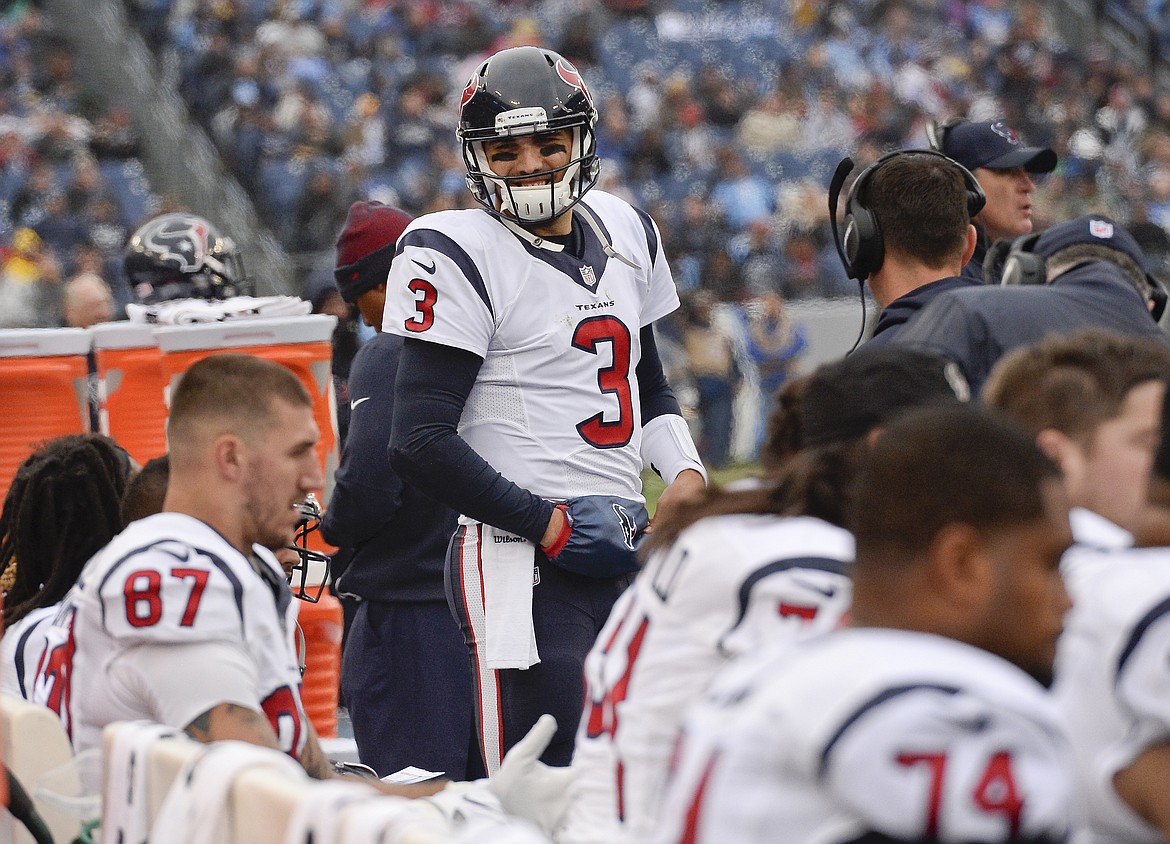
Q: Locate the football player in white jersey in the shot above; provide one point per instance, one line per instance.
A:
(62, 507)
(743, 570)
(530, 394)
(185, 617)
(1113, 663)
(926, 719)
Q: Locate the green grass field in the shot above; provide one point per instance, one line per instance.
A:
(652, 484)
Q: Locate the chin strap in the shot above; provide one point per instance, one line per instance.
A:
(535, 240)
(587, 216)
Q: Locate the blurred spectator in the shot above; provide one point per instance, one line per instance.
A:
(326, 299)
(758, 253)
(86, 300)
(319, 212)
(743, 197)
(29, 276)
(711, 358)
(774, 345)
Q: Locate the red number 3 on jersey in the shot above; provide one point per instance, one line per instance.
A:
(426, 296)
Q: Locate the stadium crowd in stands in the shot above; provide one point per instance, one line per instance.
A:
(904, 631)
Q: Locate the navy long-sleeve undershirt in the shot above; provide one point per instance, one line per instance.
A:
(426, 449)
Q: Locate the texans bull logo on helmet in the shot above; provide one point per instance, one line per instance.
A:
(181, 241)
(469, 91)
(570, 76)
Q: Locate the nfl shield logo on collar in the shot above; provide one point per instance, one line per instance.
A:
(589, 278)
(1101, 229)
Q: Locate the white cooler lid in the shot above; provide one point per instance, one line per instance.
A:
(45, 342)
(264, 331)
(122, 335)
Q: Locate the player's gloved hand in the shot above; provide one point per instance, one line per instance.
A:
(600, 537)
(527, 787)
(460, 802)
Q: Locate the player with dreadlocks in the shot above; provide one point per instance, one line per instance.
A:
(62, 507)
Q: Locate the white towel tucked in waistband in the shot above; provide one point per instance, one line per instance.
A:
(507, 564)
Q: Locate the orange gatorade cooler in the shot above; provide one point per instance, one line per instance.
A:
(130, 389)
(302, 343)
(44, 380)
(322, 625)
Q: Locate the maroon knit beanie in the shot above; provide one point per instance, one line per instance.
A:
(365, 246)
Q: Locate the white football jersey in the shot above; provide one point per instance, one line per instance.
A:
(727, 586)
(21, 649)
(171, 583)
(870, 730)
(1113, 676)
(555, 408)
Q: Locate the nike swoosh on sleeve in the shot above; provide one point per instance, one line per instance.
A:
(353, 404)
(430, 269)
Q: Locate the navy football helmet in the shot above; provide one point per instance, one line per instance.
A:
(182, 256)
(524, 91)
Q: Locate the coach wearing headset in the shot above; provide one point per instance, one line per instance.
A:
(1006, 170)
(907, 231)
(1088, 272)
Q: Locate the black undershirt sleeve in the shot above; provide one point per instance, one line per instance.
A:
(426, 450)
(432, 387)
(657, 399)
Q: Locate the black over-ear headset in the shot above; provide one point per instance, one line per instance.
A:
(862, 249)
(1012, 262)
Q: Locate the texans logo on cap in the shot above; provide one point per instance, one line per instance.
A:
(1006, 132)
(1101, 229)
(570, 76)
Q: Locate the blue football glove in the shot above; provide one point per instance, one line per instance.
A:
(601, 536)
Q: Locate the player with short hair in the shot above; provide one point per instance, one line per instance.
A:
(185, 617)
(1092, 400)
(731, 574)
(926, 719)
(530, 394)
(1096, 402)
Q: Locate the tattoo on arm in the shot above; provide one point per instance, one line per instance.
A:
(232, 721)
(313, 758)
(199, 728)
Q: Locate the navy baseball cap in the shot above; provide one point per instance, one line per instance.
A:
(1095, 229)
(994, 145)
